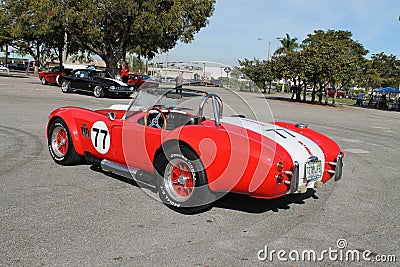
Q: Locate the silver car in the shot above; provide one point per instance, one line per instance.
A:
(4, 70)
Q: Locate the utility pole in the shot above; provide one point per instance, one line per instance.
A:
(269, 50)
(64, 52)
(6, 55)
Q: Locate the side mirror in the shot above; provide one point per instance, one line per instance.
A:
(111, 116)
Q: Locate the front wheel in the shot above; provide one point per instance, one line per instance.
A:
(43, 80)
(98, 92)
(60, 144)
(182, 181)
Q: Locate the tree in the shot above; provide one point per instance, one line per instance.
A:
(32, 27)
(258, 71)
(5, 36)
(288, 45)
(108, 28)
(286, 60)
(386, 69)
(338, 59)
(111, 28)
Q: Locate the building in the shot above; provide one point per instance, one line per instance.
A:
(14, 57)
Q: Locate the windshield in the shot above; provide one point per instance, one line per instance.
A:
(171, 99)
(182, 86)
(86, 73)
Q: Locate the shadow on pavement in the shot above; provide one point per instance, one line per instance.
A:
(257, 205)
(233, 201)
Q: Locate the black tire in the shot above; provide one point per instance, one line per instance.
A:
(66, 87)
(60, 144)
(189, 193)
(43, 80)
(98, 91)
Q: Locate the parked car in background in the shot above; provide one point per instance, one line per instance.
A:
(137, 79)
(4, 69)
(17, 66)
(50, 76)
(340, 94)
(100, 83)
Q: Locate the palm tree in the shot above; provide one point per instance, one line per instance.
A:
(288, 45)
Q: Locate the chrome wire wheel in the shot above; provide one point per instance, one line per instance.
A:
(98, 91)
(61, 145)
(59, 141)
(182, 180)
(65, 87)
(179, 179)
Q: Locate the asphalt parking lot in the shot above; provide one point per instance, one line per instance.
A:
(75, 216)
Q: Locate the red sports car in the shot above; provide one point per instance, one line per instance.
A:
(50, 76)
(137, 79)
(179, 140)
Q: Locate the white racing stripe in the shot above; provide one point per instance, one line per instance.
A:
(298, 146)
(119, 107)
(117, 81)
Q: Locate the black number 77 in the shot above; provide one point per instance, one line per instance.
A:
(104, 132)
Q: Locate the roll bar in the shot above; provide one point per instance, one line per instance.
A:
(217, 107)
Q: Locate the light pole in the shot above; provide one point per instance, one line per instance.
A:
(269, 48)
(283, 80)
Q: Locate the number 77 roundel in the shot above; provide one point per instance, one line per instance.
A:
(100, 137)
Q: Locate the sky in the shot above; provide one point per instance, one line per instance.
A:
(242, 29)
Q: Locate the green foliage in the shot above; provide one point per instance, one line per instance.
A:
(32, 27)
(111, 28)
(335, 59)
(136, 64)
(258, 71)
(108, 28)
(382, 71)
(324, 59)
(288, 45)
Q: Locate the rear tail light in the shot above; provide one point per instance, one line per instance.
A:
(280, 166)
(279, 178)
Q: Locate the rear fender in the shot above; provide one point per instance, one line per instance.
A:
(68, 118)
(330, 148)
(241, 162)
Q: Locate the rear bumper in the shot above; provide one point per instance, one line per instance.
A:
(295, 186)
(339, 167)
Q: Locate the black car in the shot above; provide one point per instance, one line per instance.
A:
(100, 83)
(17, 66)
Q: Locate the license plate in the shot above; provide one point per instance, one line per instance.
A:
(313, 170)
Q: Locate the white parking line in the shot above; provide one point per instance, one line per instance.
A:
(356, 151)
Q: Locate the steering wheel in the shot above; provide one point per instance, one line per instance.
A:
(154, 122)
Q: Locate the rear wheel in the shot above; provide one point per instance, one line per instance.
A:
(182, 181)
(66, 87)
(98, 91)
(43, 80)
(60, 144)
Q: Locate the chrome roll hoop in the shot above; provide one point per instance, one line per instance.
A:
(217, 107)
